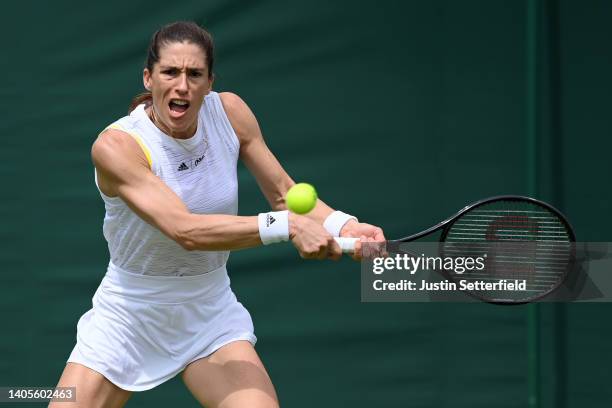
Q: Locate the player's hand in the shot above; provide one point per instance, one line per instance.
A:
(312, 240)
(371, 242)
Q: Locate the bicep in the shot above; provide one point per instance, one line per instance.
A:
(267, 170)
(121, 164)
(272, 179)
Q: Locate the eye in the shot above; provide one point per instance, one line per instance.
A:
(170, 71)
(195, 74)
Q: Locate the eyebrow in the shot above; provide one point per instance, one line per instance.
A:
(175, 67)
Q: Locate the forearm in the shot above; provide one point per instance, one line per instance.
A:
(217, 232)
(320, 212)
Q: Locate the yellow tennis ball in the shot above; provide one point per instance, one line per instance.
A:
(301, 198)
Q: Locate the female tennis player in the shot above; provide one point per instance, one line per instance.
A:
(167, 175)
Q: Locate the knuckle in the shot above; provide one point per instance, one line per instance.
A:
(312, 252)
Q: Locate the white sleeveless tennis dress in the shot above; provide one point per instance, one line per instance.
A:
(160, 307)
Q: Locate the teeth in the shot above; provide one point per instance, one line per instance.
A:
(179, 102)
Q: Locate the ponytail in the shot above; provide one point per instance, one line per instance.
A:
(145, 97)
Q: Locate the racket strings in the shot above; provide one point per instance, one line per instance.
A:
(520, 241)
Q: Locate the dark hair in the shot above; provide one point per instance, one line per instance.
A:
(180, 31)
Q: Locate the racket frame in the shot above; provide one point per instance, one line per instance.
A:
(469, 207)
(448, 223)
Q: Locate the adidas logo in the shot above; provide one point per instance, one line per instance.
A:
(182, 167)
(269, 220)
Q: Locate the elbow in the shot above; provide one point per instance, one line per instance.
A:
(191, 239)
(193, 233)
(187, 243)
(183, 235)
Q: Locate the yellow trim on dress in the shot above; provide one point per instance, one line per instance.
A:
(138, 140)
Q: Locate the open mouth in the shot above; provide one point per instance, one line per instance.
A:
(178, 105)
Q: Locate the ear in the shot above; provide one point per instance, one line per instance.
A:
(212, 80)
(146, 79)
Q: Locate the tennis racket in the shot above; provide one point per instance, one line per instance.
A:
(524, 238)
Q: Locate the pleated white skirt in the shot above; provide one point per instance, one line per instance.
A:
(144, 330)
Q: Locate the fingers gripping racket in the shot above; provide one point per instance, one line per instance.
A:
(524, 239)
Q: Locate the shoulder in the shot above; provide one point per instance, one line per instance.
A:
(232, 103)
(240, 116)
(113, 145)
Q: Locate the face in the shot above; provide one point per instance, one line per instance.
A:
(179, 82)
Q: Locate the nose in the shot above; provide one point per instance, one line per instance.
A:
(182, 86)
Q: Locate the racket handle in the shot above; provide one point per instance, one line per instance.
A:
(346, 244)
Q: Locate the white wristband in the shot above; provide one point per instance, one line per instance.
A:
(335, 221)
(273, 226)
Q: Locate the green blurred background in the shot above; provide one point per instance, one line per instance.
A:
(400, 112)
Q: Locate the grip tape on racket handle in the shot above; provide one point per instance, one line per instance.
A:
(346, 244)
